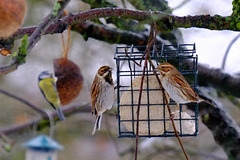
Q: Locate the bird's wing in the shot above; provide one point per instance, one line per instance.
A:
(184, 86)
(49, 91)
(94, 95)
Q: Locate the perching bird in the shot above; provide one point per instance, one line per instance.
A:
(102, 94)
(47, 86)
(176, 85)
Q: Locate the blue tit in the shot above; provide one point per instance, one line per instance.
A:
(48, 88)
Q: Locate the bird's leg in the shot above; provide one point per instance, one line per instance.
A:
(115, 87)
(112, 113)
(173, 113)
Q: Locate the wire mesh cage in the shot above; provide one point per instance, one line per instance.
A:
(154, 118)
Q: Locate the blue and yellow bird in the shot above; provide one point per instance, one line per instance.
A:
(48, 88)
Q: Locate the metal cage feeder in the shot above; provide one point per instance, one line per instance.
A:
(154, 118)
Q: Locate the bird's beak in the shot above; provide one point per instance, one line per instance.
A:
(110, 69)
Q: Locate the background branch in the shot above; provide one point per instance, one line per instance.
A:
(24, 101)
(223, 127)
(42, 121)
(166, 22)
(207, 76)
(227, 51)
(35, 36)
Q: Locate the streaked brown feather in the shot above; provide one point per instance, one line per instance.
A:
(102, 94)
(185, 87)
(94, 94)
(177, 79)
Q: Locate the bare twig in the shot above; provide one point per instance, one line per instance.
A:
(112, 138)
(151, 41)
(173, 124)
(37, 33)
(146, 54)
(201, 21)
(139, 103)
(139, 65)
(166, 22)
(164, 95)
(24, 101)
(225, 130)
(180, 5)
(227, 51)
(169, 110)
(43, 121)
(47, 21)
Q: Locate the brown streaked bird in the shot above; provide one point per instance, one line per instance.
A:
(176, 85)
(102, 94)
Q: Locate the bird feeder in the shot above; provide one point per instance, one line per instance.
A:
(42, 148)
(154, 118)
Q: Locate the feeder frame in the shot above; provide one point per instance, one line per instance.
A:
(178, 55)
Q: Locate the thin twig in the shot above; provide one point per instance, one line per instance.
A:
(227, 51)
(138, 108)
(169, 110)
(112, 138)
(173, 124)
(165, 97)
(47, 21)
(43, 121)
(126, 53)
(37, 33)
(180, 5)
(24, 101)
(151, 41)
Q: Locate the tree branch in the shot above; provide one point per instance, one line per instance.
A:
(110, 35)
(224, 129)
(207, 76)
(24, 101)
(227, 51)
(42, 121)
(35, 36)
(218, 79)
(166, 22)
(47, 21)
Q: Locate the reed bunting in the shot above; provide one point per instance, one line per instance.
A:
(102, 94)
(176, 85)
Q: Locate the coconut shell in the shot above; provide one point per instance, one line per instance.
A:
(12, 13)
(69, 80)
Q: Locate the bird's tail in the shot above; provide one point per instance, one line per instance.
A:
(60, 114)
(97, 124)
(207, 100)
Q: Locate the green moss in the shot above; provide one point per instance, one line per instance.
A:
(7, 147)
(42, 124)
(22, 51)
(56, 7)
(188, 23)
(118, 38)
(205, 118)
(212, 26)
(238, 25)
(199, 23)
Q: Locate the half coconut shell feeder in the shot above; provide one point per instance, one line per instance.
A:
(69, 80)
